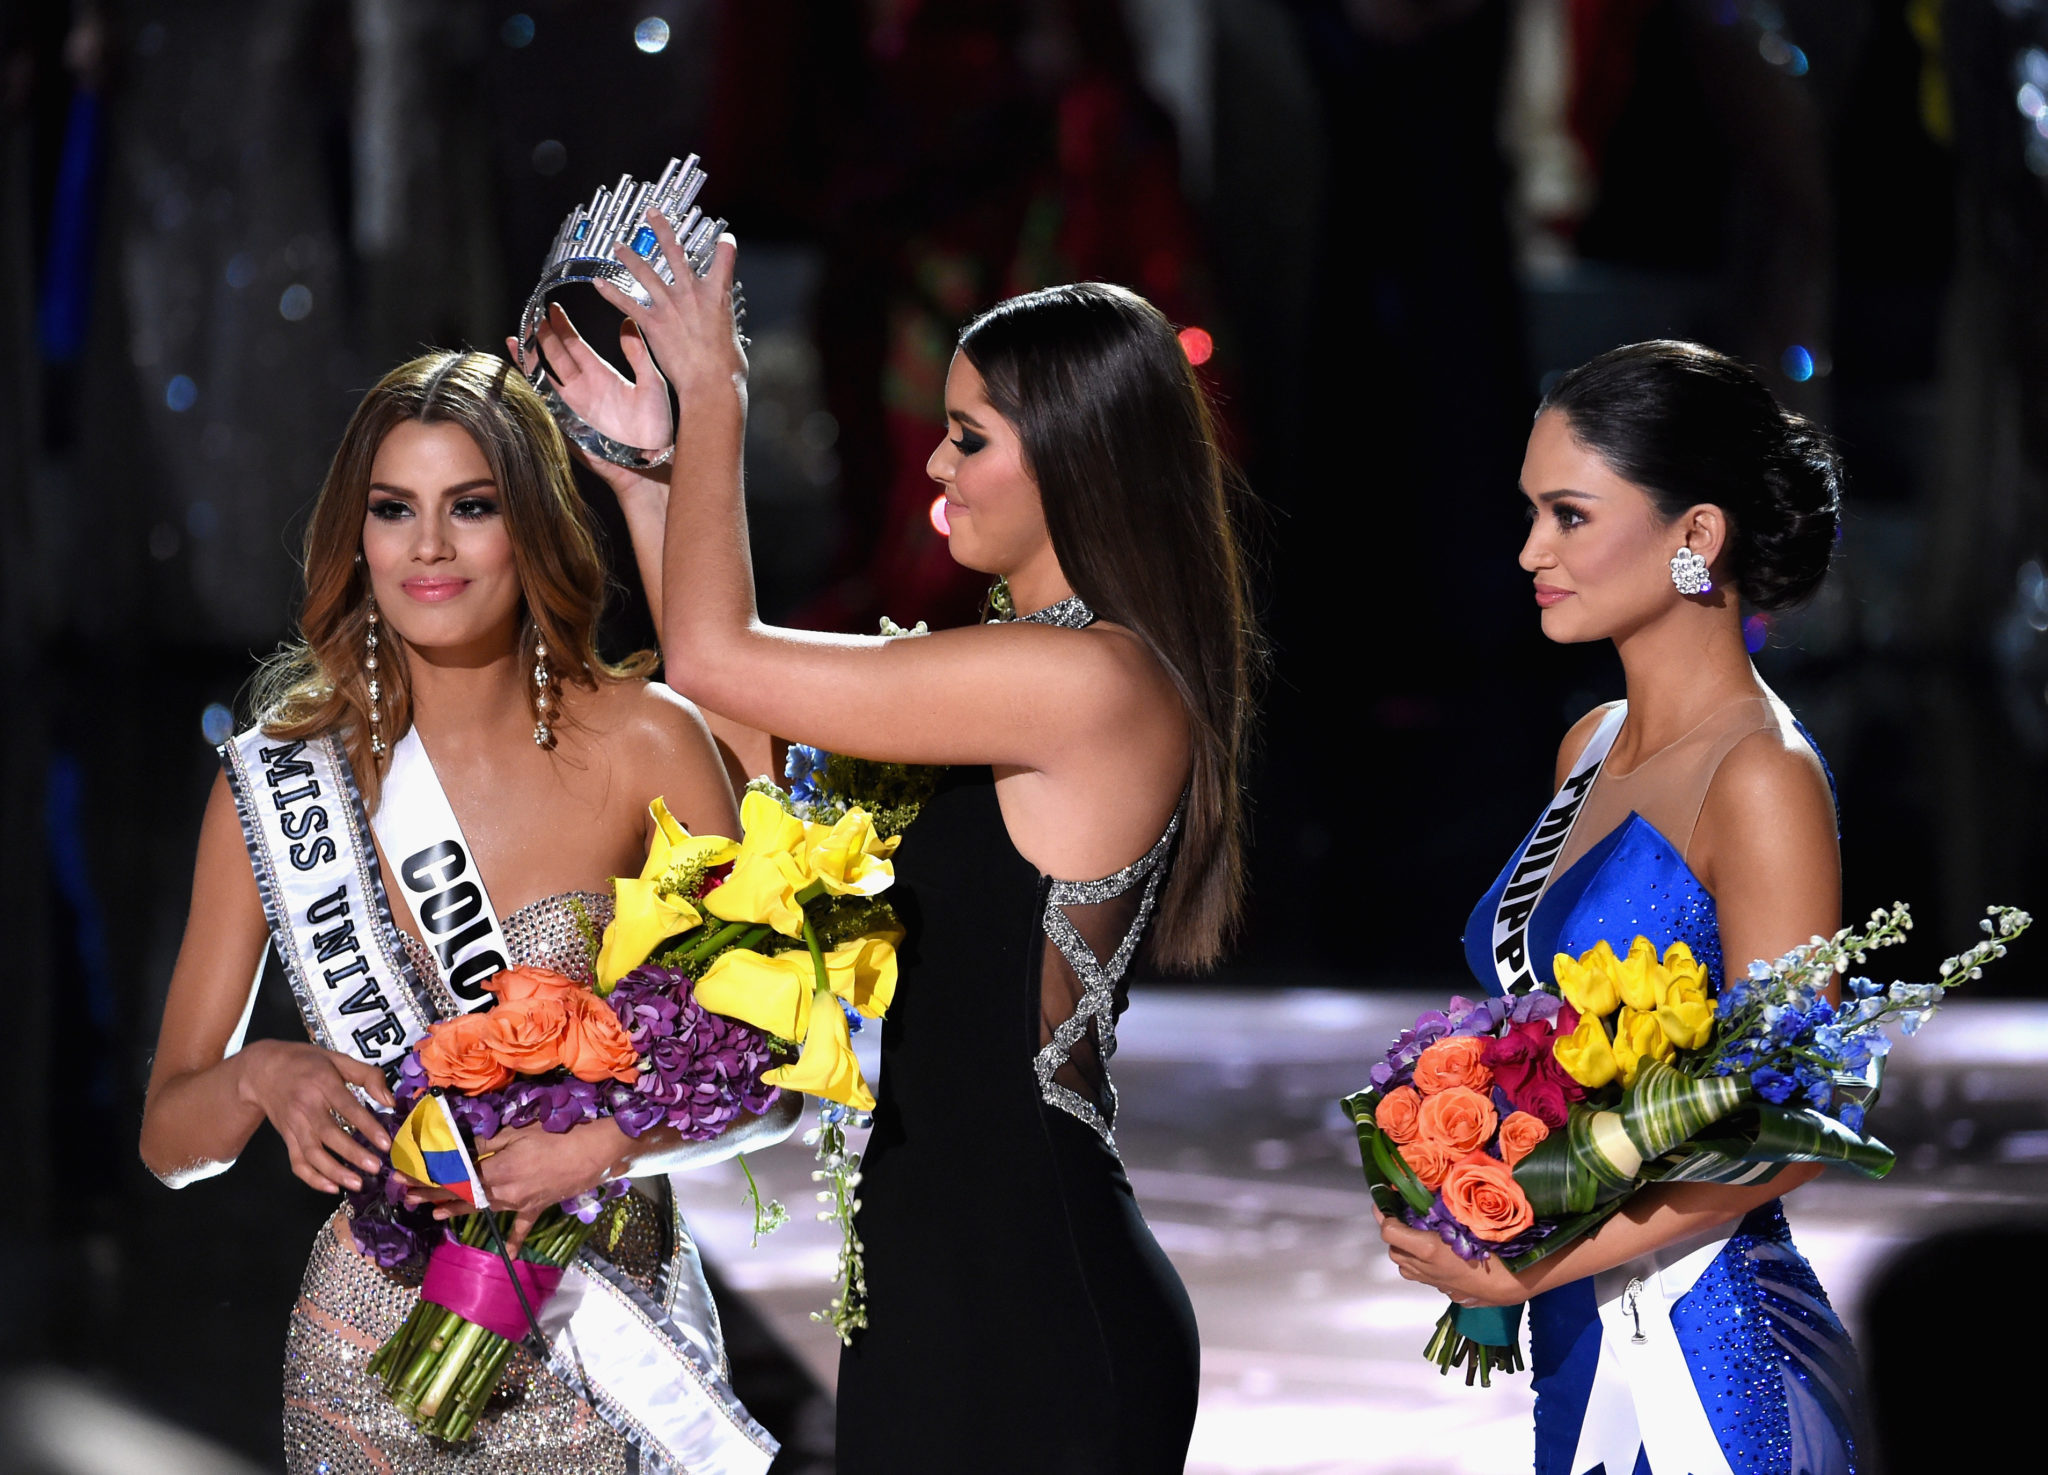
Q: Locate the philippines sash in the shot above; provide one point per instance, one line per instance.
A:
(1531, 873)
(654, 1369)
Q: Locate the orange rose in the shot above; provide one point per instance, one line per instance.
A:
(527, 1037)
(1395, 1115)
(1455, 1062)
(1519, 1135)
(1457, 1119)
(1429, 1161)
(455, 1055)
(517, 985)
(1483, 1196)
(597, 1047)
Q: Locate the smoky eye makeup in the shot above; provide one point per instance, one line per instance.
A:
(475, 509)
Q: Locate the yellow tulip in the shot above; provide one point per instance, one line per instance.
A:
(1637, 1037)
(1585, 1054)
(1588, 982)
(768, 870)
(863, 972)
(653, 908)
(768, 992)
(1685, 1012)
(828, 1067)
(849, 857)
(1637, 975)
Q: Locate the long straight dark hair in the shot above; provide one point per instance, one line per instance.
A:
(1146, 518)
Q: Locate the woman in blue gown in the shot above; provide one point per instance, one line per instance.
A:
(1687, 1336)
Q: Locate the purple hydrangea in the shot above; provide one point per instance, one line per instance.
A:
(698, 1070)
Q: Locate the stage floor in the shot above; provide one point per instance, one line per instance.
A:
(1310, 1342)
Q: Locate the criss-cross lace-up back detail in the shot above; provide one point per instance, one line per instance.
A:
(1092, 931)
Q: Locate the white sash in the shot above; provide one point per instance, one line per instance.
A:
(323, 895)
(653, 1372)
(437, 874)
(1538, 857)
(1643, 1394)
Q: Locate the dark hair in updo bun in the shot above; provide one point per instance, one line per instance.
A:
(1691, 426)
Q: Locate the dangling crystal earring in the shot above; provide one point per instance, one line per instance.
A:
(1689, 572)
(376, 688)
(541, 736)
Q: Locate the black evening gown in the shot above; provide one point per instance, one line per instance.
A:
(1021, 1315)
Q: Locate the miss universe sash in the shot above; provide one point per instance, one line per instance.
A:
(1532, 868)
(654, 1369)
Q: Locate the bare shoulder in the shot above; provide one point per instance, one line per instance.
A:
(1575, 740)
(1768, 807)
(1116, 661)
(644, 725)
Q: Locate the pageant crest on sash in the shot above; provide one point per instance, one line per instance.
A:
(583, 252)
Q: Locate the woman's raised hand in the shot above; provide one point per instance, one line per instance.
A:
(633, 411)
(304, 1091)
(689, 324)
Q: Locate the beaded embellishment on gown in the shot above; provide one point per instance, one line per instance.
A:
(338, 1421)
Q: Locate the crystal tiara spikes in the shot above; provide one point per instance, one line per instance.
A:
(583, 251)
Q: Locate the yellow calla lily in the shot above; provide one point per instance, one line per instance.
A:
(1585, 1053)
(1638, 1037)
(863, 972)
(1588, 983)
(652, 909)
(1637, 975)
(828, 1066)
(768, 992)
(768, 870)
(849, 857)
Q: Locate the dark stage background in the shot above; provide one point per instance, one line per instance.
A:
(1392, 220)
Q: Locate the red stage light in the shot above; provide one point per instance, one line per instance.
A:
(938, 516)
(1197, 345)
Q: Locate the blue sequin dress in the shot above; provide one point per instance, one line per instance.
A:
(1772, 1370)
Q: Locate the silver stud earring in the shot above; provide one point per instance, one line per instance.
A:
(1689, 572)
(376, 687)
(542, 737)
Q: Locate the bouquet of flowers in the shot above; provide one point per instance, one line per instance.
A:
(1512, 1126)
(787, 931)
(552, 1052)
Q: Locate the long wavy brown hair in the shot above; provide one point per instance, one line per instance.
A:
(1149, 521)
(319, 683)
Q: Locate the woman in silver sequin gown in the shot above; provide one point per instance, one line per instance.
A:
(450, 512)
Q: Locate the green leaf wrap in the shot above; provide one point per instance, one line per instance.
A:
(1774, 1134)
(1567, 1174)
(1666, 1107)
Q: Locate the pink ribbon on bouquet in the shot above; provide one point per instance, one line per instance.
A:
(473, 1284)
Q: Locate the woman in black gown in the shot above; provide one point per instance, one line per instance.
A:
(1021, 1317)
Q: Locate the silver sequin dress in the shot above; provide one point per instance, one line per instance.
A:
(337, 1420)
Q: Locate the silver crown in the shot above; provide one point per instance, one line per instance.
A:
(583, 252)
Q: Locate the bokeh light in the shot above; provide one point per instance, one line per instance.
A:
(217, 722)
(1755, 631)
(550, 157)
(938, 517)
(241, 270)
(517, 30)
(296, 304)
(181, 394)
(1797, 362)
(651, 35)
(1197, 344)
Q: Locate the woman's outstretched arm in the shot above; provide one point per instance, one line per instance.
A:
(203, 1106)
(1014, 694)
